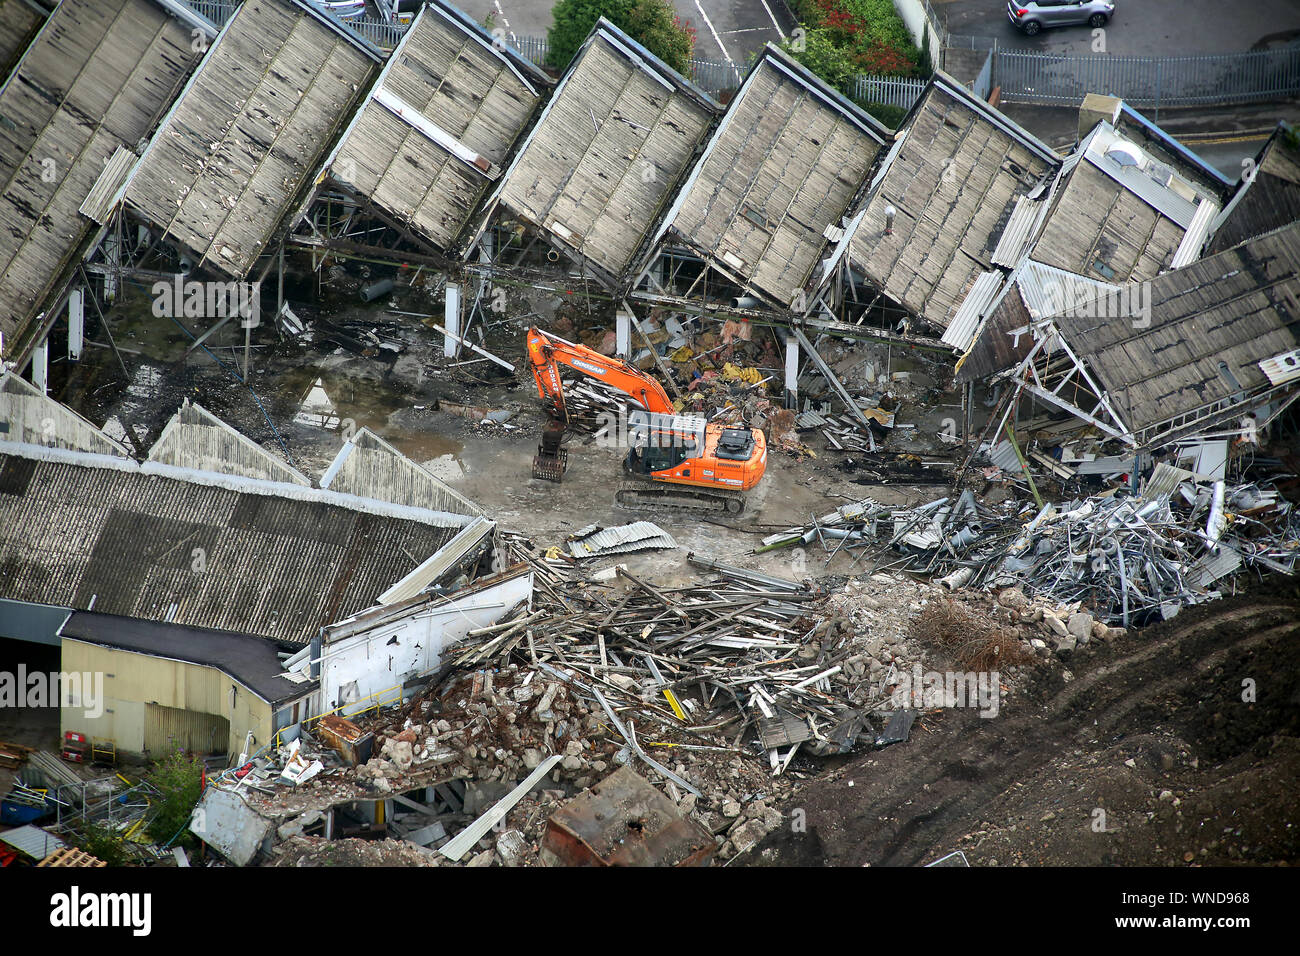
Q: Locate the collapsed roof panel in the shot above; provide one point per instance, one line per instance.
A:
(1120, 214)
(953, 181)
(370, 467)
(249, 130)
(439, 122)
(1268, 196)
(609, 149)
(97, 78)
(1034, 292)
(1211, 325)
(36, 419)
(197, 439)
(781, 170)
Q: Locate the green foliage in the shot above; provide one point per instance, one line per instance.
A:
(832, 63)
(868, 35)
(104, 843)
(179, 781)
(652, 23)
(891, 116)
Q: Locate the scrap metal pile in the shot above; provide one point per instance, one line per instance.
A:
(1129, 559)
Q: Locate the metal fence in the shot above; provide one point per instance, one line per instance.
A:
(381, 33)
(218, 11)
(1146, 81)
(896, 91)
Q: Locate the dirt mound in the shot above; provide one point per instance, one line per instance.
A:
(1176, 744)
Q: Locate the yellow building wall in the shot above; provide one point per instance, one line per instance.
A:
(131, 681)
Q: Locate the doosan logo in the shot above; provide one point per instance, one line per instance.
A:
(75, 909)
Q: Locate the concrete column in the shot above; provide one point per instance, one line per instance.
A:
(76, 323)
(623, 334)
(41, 366)
(451, 320)
(791, 372)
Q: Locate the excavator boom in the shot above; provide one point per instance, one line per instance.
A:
(711, 466)
(547, 352)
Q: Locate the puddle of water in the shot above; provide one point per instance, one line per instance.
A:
(332, 402)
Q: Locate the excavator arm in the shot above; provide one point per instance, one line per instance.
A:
(547, 352)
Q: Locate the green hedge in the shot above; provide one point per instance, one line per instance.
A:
(652, 23)
(845, 37)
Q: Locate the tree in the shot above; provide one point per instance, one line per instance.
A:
(652, 23)
(179, 782)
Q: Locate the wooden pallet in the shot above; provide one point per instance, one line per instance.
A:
(71, 856)
(13, 755)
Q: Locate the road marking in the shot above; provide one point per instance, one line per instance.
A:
(717, 39)
(773, 19)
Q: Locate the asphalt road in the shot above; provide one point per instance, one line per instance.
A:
(1145, 27)
(729, 30)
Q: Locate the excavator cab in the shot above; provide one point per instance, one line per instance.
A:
(658, 442)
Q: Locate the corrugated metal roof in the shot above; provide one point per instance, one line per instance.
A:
(1229, 311)
(95, 79)
(1282, 368)
(768, 198)
(1164, 480)
(954, 184)
(602, 162)
(1004, 456)
(275, 561)
(809, 419)
(442, 561)
(1137, 180)
(99, 204)
(465, 99)
(32, 841)
(1269, 200)
(1212, 567)
(1049, 291)
(240, 143)
(1019, 231)
(1189, 250)
(637, 536)
(961, 332)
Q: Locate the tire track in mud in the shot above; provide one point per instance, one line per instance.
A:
(910, 803)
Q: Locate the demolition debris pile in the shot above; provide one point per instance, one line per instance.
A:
(1126, 559)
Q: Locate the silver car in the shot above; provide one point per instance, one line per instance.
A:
(1031, 17)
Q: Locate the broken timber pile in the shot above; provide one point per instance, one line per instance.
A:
(705, 664)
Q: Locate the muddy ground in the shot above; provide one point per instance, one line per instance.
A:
(1147, 756)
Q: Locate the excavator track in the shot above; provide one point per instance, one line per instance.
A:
(643, 494)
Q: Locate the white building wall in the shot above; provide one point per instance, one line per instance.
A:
(361, 664)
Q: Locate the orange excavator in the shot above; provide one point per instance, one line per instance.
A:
(676, 460)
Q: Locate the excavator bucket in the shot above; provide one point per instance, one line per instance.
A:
(550, 466)
(551, 458)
